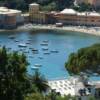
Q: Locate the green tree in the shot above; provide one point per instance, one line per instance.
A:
(83, 7)
(61, 4)
(13, 81)
(34, 96)
(40, 82)
(85, 60)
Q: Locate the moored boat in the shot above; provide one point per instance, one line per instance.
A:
(47, 53)
(38, 65)
(22, 45)
(54, 51)
(44, 44)
(35, 68)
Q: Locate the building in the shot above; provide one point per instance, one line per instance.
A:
(71, 17)
(35, 15)
(10, 18)
(67, 17)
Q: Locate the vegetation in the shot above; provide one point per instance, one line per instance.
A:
(85, 60)
(13, 81)
(40, 82)
(83, 7)
(45, 4)
(51, 96)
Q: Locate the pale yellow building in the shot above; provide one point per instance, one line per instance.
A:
(71, 17)
(66, 17)
(35, 15)
(10, 18)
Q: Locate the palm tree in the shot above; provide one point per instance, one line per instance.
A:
(40, 82)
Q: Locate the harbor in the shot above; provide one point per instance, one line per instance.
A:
(53, 52)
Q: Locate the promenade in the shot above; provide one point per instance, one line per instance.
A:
(82, 29)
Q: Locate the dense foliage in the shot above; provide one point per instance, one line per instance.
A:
(13, 82)
(48, 5)
(83, 7)
(85, 60)
(40, 82)
(45, 4)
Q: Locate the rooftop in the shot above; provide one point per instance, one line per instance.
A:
(88, 14)
(34, 4)
(5, 10)
(68, 11)
(73, 12)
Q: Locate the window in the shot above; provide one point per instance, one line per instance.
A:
(89, 89)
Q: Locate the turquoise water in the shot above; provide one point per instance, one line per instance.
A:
(52, 64)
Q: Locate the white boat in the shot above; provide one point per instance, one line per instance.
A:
(44, 49)
(16, 40)
(35, 68)
(22, 45)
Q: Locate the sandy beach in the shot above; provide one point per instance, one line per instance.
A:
(82, 29)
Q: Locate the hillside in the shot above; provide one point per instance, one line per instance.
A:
(45, 4)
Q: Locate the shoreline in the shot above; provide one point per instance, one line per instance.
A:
(29, 27)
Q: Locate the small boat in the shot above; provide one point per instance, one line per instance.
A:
(40, 57)
(28, 43)
(22, 45)
(47, 53)
(35, 68)
(44, 44)
(34, 49)
(16, 40)
(44, 49)
(38, 65)
(95, 74)
(54, 51)
(30, 48)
